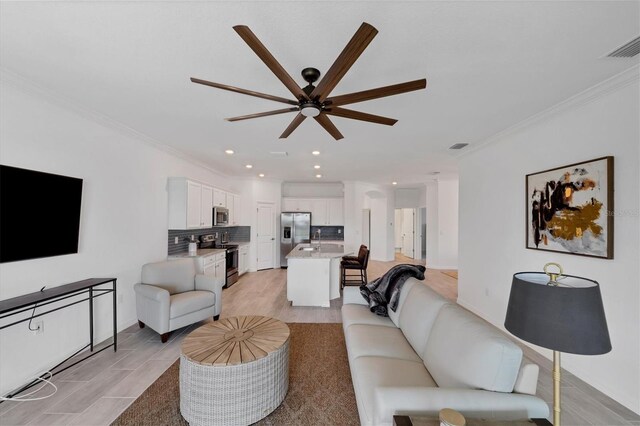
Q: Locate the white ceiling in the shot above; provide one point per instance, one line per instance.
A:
(488, 65)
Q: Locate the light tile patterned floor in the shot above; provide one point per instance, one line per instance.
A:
(97, 391)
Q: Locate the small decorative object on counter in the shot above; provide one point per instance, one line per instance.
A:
(193, 246)
(449, 417)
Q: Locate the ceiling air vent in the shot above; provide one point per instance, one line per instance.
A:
(458, 146)
(279, 153)
(629, 50)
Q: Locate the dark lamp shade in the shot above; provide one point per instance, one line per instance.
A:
(568, 317)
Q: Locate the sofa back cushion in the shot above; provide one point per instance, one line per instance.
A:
(464, 351)
(175, 276)
(418, 313)
(406, 289)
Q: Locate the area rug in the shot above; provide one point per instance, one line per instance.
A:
(320, 387)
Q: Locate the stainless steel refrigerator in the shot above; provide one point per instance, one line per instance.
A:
(295, 228)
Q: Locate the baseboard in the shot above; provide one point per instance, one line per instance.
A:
(430, 266)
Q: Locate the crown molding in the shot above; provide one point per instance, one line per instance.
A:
(612, 84)
(27, 86)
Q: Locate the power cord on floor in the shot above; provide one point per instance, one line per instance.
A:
(42, 378)
(46, 381)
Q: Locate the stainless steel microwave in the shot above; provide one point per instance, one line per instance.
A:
(220, 216)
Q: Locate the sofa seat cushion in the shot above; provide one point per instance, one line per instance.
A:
(190, 301)
(464, 351)
(371, 372)
(379, 341)
(360, 314)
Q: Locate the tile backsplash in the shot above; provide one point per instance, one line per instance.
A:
(328, 232)
(236, 233)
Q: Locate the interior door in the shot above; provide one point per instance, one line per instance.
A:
(408, 232)
(266, 235)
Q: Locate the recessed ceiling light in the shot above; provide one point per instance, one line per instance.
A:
(261, 175)
(315, 152)
(394, 183)
(318, 176)
(229, 151)
(249, 166)
(316, 167)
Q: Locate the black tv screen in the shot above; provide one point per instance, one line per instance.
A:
(39, 214)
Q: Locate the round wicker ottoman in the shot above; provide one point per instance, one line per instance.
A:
(234, 371)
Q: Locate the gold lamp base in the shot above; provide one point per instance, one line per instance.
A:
(556, 388)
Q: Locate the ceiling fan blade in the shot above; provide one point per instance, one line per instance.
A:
(363, 116)
(262, 114)
(243, 91)
(329, 126)
(250, 38)
(294, 125)
(345, 60)
(380, 92)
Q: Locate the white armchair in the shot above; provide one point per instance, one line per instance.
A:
(172, 296)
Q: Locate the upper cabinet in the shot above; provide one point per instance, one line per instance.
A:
(191, 204)
(219, 198)
(335, 211)
(233, 205)
(324, 211)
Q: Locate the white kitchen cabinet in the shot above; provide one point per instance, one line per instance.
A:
(289, 205)
(319, 212)
(335, 212)
(220, 269)
(206, 208)
(324, 211)
(231, 208)
(219, 198)
(243, 261)
(237, 210)
(189, 204)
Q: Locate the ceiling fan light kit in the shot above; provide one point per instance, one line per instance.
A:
(314, 101)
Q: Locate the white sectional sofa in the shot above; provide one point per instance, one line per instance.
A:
(432, 354)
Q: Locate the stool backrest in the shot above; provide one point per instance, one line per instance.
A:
(363, 256)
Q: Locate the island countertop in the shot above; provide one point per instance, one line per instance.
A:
(322, 251)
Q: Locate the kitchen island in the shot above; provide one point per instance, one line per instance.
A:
(313, 274)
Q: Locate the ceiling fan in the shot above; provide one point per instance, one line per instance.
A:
(314, 101)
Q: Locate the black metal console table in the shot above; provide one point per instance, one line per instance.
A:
(45, 297)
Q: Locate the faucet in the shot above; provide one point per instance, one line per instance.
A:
(319, 234)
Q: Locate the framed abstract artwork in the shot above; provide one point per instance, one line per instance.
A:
(570, 209)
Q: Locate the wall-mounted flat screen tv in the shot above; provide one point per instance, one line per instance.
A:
(39, 214)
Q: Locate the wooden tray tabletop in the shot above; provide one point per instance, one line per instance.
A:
(234, 341)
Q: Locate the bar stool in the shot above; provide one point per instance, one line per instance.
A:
(358, 263)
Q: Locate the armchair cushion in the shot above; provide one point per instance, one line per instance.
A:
(175, 276)
(190, 301)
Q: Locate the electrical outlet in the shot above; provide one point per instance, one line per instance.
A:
(38, 327)
(175, 241)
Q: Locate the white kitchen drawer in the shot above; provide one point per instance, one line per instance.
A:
(220, 256)
(209, 260)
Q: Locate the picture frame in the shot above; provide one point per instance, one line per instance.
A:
(569, 209)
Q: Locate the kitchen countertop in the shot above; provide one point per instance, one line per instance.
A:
(199, 253)
(326, 251)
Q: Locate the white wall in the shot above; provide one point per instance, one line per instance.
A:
(309, 189)
(409, 198)
(442, 224)
(381, 201)
(603, 121)
(123, 222)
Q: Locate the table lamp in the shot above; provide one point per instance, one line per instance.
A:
(563, 313)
